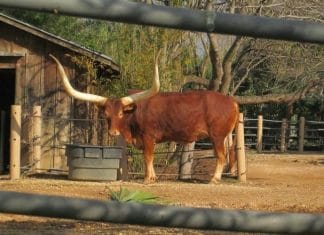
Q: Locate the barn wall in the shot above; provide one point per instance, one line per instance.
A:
(38, 84)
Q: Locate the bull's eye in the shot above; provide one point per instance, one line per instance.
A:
(120, 114)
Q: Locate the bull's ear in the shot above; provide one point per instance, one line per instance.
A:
(129, 108)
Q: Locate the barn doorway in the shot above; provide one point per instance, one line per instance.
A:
(7, 93)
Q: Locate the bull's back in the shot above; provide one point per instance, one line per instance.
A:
(185, 117)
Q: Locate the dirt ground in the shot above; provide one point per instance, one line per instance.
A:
(282, 183)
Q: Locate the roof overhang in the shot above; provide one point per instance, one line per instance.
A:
(99, 57)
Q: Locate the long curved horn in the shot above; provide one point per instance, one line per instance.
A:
(127, 100)
(100, 100)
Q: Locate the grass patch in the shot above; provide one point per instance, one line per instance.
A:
(124, 195)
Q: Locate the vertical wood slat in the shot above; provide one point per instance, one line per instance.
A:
(48, 110)
(19, 83)
(259, 134)
(301, 134)
(283, 146)
(61, 125)
(37, 134)
(15, 131)
(240, 152)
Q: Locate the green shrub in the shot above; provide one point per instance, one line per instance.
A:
(124, 195)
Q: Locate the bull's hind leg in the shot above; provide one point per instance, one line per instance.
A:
(150, 176)
(219, 149)
(232, 161)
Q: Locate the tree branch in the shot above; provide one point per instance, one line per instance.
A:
(227, 65)
(215, 57)
(278, 98)
(245, 75)
(204, 63)
(195, 79)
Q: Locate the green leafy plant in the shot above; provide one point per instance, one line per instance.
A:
(124, 195)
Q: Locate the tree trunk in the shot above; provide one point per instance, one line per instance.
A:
(186, 161)
(227, 65)
(217, 68)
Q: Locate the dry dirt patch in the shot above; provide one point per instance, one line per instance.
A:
(293, 183)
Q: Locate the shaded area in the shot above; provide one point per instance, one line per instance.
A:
(7, 92)
(50, 227)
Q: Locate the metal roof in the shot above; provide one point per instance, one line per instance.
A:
(102, 58)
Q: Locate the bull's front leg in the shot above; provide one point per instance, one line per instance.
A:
(150, 176)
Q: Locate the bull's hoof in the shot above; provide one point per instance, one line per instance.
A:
(149, 180)
(215, 181)
(233, 174)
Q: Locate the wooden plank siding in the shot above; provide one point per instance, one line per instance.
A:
(26, 50)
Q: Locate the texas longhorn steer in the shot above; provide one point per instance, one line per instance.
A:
(149, 117)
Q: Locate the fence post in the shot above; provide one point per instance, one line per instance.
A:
(240, 152)
(15, 131)
(186, 161)
(283, 147)
(259, 133)
(37, 133)
(301, 134)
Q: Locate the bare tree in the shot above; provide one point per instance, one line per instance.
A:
(233, 63)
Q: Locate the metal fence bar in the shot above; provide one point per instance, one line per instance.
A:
(268, 120)
(158, 215)
(315, 122)
(179, 18)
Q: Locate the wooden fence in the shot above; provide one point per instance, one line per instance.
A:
(32, 137)
(280, 135)
(38, 137)
(283, 135)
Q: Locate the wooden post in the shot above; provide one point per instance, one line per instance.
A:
(37, 133)
(122, 174)
(15, 131)
(186, 161)
(2, 136)
(301, 134)
(240, 152)
(259, 134)
(283, 147)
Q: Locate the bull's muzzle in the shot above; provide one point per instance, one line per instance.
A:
(114, 132)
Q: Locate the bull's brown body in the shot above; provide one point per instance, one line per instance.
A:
(149, 117)
(179, 117)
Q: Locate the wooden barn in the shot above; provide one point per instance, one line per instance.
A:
(28, 77)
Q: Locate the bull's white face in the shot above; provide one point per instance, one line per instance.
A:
(116, 114)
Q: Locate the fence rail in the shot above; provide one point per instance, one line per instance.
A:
(44, 139)
(179, 18)
(56, 132)
(283, 135)
(160, 215)
(280, 135)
